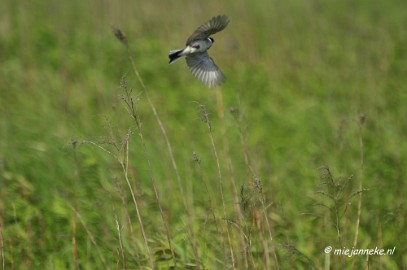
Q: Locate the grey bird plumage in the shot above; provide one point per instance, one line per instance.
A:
(198, 60)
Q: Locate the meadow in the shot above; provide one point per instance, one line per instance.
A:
(110, 158)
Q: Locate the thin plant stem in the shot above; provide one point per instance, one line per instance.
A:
(215, 218)
(133, 112)
(91, 237)
(361, 146)
(124, 165)
(120, 36)
(205, 118)
(226, 149)
(262, 197)
(74, 220)
(333, 192)
(124, 203)
(119, 231)
(3, 259)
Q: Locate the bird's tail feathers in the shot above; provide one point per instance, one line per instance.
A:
(174, 55)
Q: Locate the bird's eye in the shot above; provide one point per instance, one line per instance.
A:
(196, 47)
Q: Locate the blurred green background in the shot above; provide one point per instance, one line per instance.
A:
(309, 84)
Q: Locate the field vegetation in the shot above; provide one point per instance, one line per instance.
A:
(110, 158)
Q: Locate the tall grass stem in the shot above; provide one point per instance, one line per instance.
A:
(120, 36)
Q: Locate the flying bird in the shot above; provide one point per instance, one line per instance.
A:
(198, 60)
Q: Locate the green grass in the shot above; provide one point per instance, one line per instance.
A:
(310, 85)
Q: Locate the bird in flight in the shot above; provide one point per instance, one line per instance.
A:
(198, 60)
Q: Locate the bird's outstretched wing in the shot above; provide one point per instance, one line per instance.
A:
(204, 69)
(211, 27)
